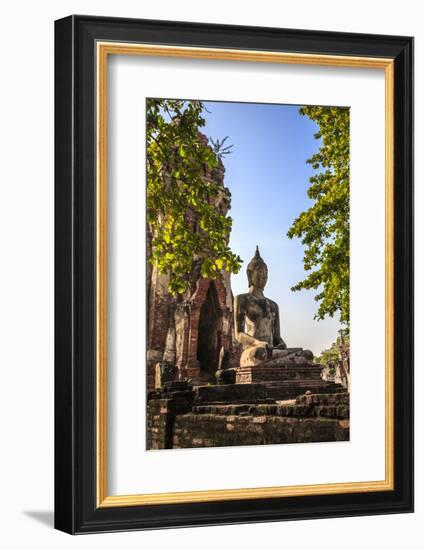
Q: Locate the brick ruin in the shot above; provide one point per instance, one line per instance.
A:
(190, 330)
(223, 416)
(189, 333)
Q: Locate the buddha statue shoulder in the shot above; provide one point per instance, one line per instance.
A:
(257, 324)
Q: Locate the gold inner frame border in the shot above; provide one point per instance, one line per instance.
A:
(103, 50)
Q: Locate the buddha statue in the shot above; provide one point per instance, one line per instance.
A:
(257, 324)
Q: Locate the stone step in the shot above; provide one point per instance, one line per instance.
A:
(230, 393)
(300, 383)
(291, 391)
(326, 409)
(341, 398)
(254, 393)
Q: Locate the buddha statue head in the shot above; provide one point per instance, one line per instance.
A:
(257, 271)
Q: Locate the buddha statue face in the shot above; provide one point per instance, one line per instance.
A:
(257, 271)
(259, 277)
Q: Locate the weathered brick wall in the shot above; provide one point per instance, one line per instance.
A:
(164, 312)
(161, 414)
(224, 336)
(213, 430)
(158, 425)
(310, 418)
(160, 310)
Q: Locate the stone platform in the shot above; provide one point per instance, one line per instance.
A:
(286, 382)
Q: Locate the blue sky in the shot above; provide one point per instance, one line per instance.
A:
(268, 177)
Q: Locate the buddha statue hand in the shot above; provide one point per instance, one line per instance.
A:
(256, 355)
(283, 345)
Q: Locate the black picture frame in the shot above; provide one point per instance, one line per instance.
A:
(76, 508)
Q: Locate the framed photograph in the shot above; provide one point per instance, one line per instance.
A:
(234, 274)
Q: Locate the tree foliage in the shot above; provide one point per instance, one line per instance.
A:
(334, 354)
(220, 149)
(324, 227)
(189, 233)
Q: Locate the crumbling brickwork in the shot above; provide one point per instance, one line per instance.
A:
(173, 322)
(188, 420)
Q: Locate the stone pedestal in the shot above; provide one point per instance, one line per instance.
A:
(268, 373)
(286, 382)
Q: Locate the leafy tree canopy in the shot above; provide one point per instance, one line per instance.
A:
(324, 227)
(335, 352)
(189, 233)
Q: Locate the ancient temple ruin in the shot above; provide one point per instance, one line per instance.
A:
(189, 331)
(219, 373)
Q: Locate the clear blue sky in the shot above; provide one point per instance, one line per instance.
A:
(268, 177)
